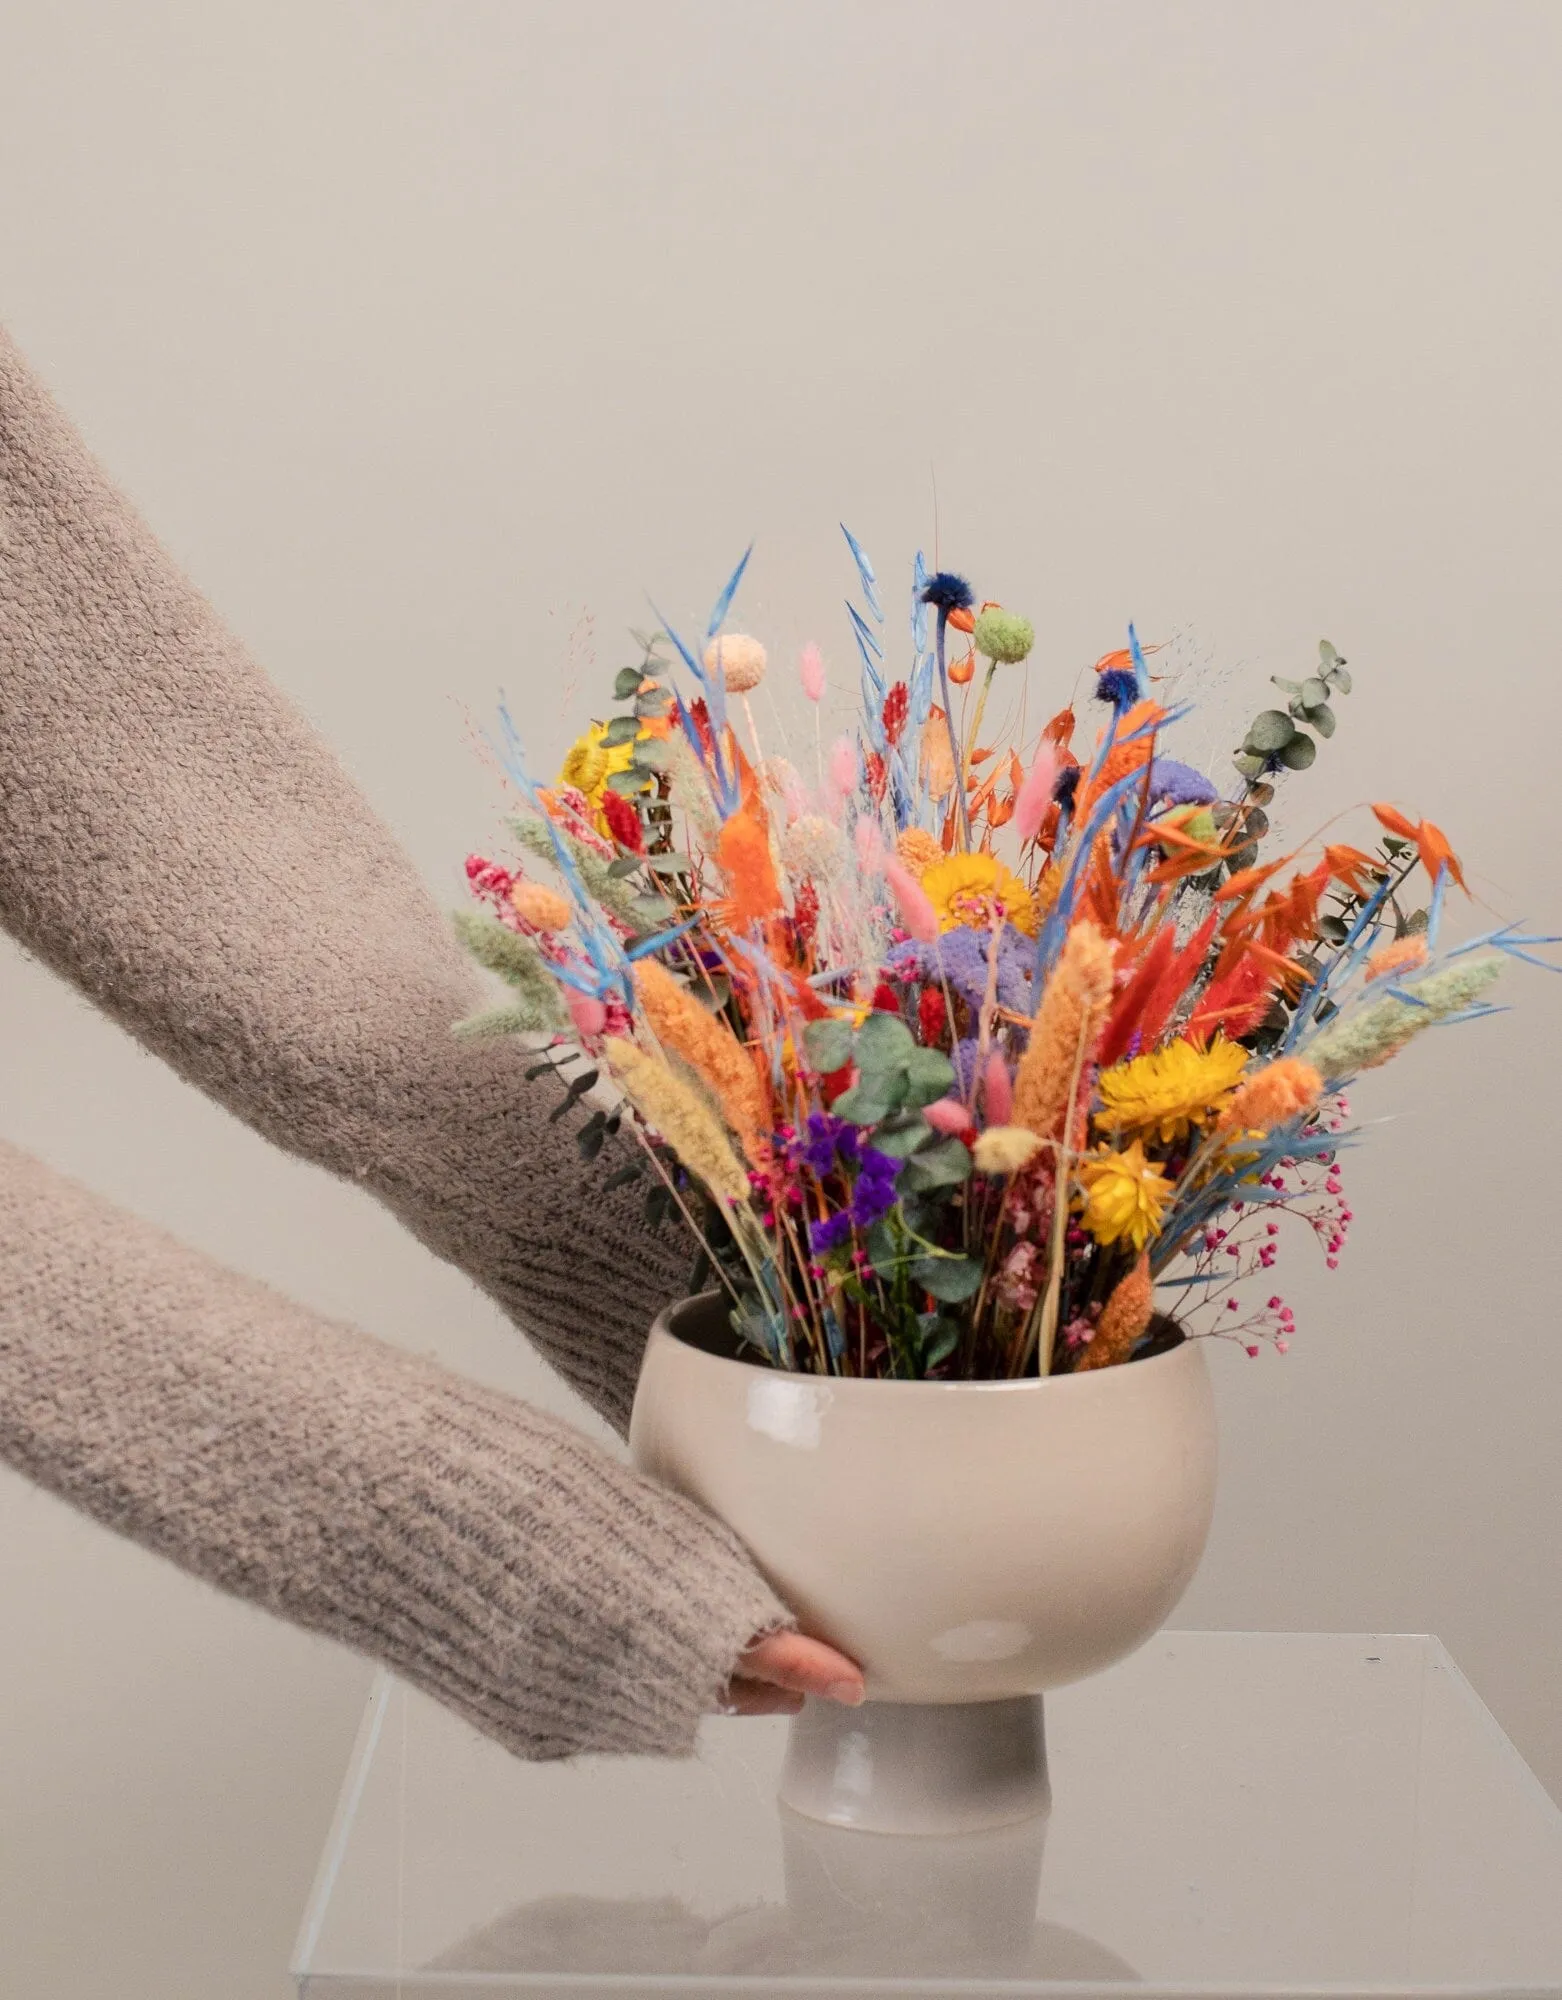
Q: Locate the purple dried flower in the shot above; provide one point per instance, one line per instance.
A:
(874, 1194)
(960, 957)
(1177, 784)
(829, 1234)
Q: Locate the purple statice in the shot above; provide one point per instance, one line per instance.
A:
(828, 1142)
(874, 1195)
(960, 958)
(872, 1198)
(829, 1234)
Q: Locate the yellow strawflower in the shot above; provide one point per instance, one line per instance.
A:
(973, 889)
(589, 763)
(1162, 1094)
(1125, 1195)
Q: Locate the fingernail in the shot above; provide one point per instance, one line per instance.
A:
(848, 1692)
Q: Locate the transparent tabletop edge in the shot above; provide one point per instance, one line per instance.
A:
(329, 1865)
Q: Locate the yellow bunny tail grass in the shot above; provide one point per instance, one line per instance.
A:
(682, 1117)
(1126, 1316)
(1271, 1096)
(710, 1048)
(1065, 1031)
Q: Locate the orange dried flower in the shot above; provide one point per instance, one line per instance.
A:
(1404, 955)
(1126, 1315)
(710, 1048)
(1065, 1031)
(1275, 1094)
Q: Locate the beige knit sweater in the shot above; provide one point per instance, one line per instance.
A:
(176, 842)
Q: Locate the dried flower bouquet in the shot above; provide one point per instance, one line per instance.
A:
(951, 1056)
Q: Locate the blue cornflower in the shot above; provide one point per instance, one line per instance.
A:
(1119, 686)
(948, 592)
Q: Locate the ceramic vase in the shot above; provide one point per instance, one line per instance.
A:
(971, 1544)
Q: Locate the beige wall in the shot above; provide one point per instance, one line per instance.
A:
(420, 331)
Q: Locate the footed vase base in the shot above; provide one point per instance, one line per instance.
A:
(918, 1767)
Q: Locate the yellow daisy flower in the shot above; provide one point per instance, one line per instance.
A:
(1165, 1092)
(973, 889)
(1125, 1195)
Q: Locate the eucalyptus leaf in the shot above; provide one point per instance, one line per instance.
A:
(1340, 680)
(1244, 857)
(899, 1136)
(943, 1337)
(626, 864)
(1255, 823)
(828, 1044)
(864, 1104)
(1269, 732)
(652, 754)
(621, 730)
(1248, 764)
(1286, 687)
(929, 1073)
(653, 704)
(883, 1248)
(1333, 929)
(1322, 719)
(883, 1041)
(1314, 691)
(626, 682)
(952, 1279)
(1327, 656)
(1299, 753)
(626, 783)
(1262, 795)
(653, 911)
(945, 1165)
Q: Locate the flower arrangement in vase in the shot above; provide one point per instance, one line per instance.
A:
(982, 1068)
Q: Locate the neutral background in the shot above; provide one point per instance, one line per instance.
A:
(430, 337)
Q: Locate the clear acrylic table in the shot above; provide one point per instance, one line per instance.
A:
(1233, 1813)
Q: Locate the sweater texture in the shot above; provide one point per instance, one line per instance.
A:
(176, 842)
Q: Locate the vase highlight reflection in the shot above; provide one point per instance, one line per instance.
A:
(971, 1544)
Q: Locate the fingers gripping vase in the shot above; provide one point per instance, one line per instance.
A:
(970, 1543)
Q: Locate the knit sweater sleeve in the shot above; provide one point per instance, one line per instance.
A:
(485, 1551)
(176, 842)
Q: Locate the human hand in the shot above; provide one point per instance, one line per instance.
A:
(774, 1674)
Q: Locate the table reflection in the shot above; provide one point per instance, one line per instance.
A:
(856, 1904)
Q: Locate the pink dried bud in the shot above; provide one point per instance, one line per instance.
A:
(810, 671)
(911, 901)
(1035, 794)
(949, 1116)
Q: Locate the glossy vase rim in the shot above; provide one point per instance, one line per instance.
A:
(1100, 1377)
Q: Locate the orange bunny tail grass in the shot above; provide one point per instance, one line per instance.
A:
(676, 1110)
(1275, 1094)
(1404, 955)
(1065, 1032)
(710, 1048)
(1125, 1318)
